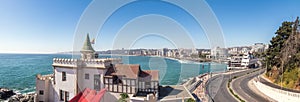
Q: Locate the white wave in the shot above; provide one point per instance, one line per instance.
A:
(23, 91)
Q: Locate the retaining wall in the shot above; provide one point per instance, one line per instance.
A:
(277, 94)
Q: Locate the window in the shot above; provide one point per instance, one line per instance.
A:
(54, 79)
(41, 92)
(97, 82)
(132, 82)
(147, 84)
(64, 77)
(67, 96)
(87, 76)
(64, 95)
(61, 93)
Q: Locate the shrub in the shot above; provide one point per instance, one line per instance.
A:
(124, 95)
(190, 100)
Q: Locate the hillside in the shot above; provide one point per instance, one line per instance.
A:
(283, 56)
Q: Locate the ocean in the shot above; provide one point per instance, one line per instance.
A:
(18, 71)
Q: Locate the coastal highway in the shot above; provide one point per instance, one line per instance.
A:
(240, 86)
(216, 86)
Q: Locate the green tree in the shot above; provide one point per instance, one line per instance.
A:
(283, 56)
(277, 42)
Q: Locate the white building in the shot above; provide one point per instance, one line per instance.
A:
(233, 50)
(245, 50)
(234, 61)
(259, 47)
(218, 53)
(248, 61)
(205, 52)
(72, 76)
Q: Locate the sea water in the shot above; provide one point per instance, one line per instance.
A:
(18, 71)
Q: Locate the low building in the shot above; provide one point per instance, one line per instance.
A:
(259, 47)
(235, 61)
(249, 61)
(131, 79)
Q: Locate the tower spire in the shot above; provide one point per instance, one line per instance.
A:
(87, 51)
(87, 46)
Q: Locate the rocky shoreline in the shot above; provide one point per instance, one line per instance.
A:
(10, 96)
(6, 93)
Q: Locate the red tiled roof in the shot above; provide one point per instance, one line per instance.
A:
(84, 94)
(89, 95)
(99, 96)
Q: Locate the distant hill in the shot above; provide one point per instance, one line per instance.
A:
(283, 56)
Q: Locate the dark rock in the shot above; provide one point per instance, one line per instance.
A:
(6, 93)
(22, 98)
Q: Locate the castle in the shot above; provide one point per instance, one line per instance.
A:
(72, 76)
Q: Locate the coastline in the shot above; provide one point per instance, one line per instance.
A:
(9, 95)
(183, 60)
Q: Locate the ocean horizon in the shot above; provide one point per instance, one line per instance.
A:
(18, 71)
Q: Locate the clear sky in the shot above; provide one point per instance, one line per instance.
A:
(45, 26)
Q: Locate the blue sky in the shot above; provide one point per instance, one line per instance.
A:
(45, 26)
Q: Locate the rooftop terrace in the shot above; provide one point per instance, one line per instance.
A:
(44, 77)
(98, 63)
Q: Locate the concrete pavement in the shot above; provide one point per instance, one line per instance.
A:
(240, 87)
(217, 87)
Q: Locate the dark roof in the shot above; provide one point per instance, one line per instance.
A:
(132, 71)
(149, 75)
(125, 70)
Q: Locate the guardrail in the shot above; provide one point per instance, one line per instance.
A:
(208, 97)
(194, 82)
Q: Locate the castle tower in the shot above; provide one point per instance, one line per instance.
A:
(87, 51)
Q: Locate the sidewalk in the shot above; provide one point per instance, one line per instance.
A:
(200, 91)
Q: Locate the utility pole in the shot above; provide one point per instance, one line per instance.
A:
(282, 62)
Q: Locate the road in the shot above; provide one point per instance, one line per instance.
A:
(217, 87)
(240, 86)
